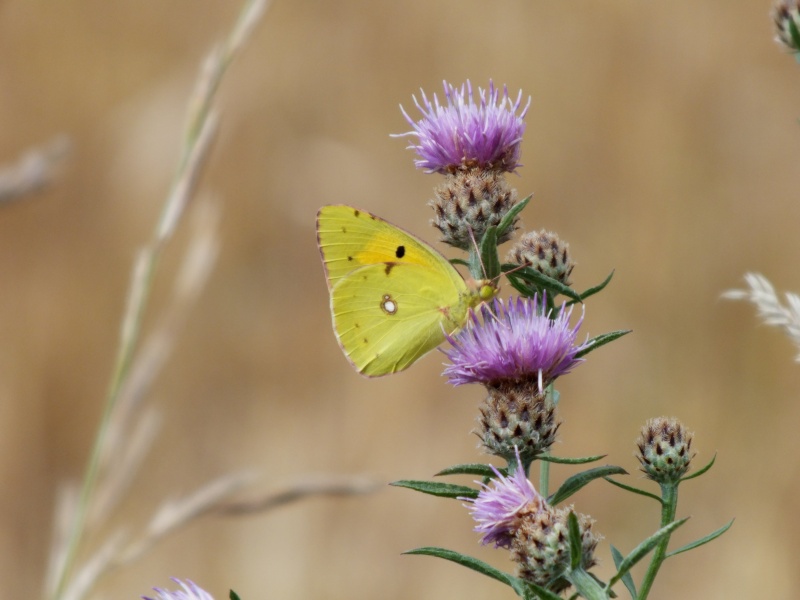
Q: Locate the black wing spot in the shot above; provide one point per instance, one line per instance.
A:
(400, 252)
(389, 267)
(349, 258)
(344, 229)
(356, 212)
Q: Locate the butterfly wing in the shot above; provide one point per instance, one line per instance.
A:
(393, 297)
(387, 316)
(349, 238)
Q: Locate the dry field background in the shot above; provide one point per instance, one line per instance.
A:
(662, 141)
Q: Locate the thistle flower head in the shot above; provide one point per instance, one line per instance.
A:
(501, 505)
(515, 341)
(190, 591)
(464, 133)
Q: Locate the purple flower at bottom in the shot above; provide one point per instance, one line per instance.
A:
(191, 591)
(466, 133)
(514, 341)
(500, 505)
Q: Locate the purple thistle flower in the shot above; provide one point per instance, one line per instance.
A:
(465, 133)
(513, 342)
(500, 505)
(191, 591)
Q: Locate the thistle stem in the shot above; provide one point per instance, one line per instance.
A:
(669, 496)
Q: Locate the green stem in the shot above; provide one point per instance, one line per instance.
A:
(551, 395)
(669, 495)
(544, 477)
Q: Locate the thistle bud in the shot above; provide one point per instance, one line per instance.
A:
(545, 252)
(541, 547)
(665, 450)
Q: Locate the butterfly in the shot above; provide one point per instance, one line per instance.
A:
(394, 298)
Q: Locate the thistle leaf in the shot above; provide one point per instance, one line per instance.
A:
(478, 469)
(434, 488)
(703, 540)
(601, 340)
(577, 481)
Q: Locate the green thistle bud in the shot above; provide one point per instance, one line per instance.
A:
(468, 203)
(665, 450)
(545, 252)
(541, 547)
(786, 16)
(516, 415)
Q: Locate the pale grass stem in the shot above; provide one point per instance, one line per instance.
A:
(198, 135)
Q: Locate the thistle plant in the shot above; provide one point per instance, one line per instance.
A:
(518, 349)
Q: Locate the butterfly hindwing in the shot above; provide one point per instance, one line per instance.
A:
(393, 297)
(386, 317)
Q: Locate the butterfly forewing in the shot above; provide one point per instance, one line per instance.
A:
(350, 238)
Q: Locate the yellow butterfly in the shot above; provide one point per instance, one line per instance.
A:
(393, 297)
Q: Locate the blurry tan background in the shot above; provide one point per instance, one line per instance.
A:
(662, 141)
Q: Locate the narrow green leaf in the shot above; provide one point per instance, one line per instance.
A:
(434, 488)
(466, 561)
(521, 287)
(587, 585)
(459, 261)
(635, 490)
(489, 257)
(793, 31)
(233, 596)
(570, 461)
(601, 340)
(524, 589)
(508, 219)
(543, 282)
(577, 481)
(593, 290)
(702, 540)
(575, 545)
(643, 549)
(478, 469)
(701, 471)
(531, 591)
(626, 579)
